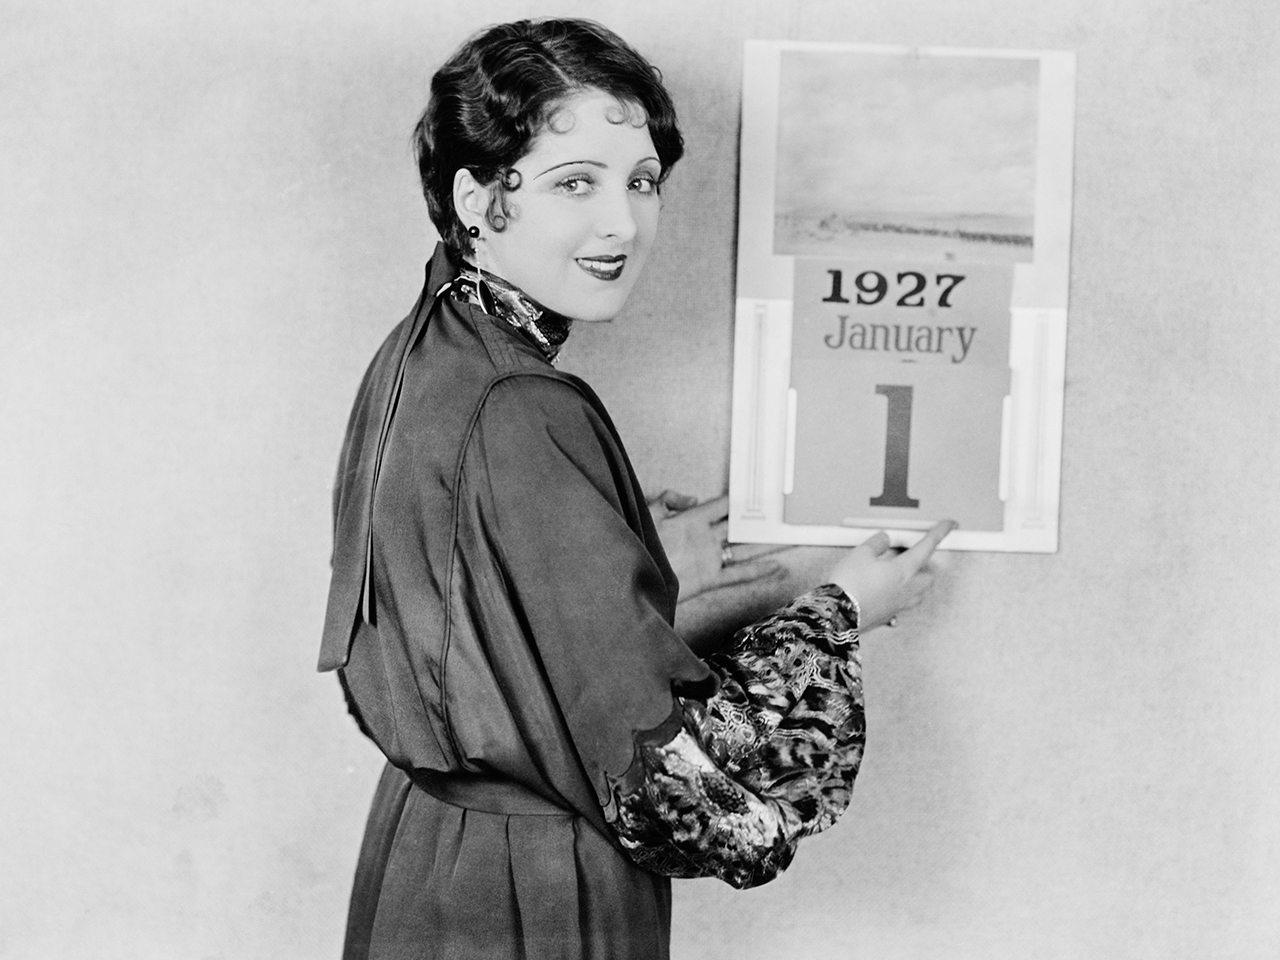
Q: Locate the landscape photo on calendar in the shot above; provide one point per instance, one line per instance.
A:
(906, 156)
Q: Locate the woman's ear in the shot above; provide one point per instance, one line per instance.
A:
(470, 199)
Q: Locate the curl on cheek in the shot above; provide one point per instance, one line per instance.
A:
(501, 209)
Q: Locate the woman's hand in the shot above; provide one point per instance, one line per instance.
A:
(693, 536)
(885, 582)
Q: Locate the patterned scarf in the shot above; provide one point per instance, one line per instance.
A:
(546, 329)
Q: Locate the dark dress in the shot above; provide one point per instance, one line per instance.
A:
(501, 613)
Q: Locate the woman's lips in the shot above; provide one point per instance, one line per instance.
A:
(603, 268)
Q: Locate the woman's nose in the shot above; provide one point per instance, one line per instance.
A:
(617, 219)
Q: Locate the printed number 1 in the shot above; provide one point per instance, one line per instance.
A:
(897, 448)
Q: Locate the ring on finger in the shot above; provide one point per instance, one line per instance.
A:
(726, 554)
(891, 622)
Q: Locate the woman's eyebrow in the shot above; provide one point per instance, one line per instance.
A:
(573, 163)
(599, 164)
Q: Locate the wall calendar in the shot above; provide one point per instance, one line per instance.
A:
(900, 330)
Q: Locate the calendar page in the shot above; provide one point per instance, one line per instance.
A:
(899, 377)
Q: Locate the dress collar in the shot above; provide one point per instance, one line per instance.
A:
(545, 329)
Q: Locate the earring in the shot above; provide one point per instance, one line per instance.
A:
(482, 288)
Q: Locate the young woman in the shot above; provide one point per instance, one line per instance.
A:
(501, 605)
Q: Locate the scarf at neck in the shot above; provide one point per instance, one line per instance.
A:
(546, 329)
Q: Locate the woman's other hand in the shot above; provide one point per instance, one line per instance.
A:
(886, 582)
(693, 536)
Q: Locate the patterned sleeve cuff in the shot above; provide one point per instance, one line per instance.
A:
(767, 760)
(690, 819)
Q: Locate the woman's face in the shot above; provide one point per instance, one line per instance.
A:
(584, 214)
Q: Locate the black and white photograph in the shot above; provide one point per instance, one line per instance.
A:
(587, 480)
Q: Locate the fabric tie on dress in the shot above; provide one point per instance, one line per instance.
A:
(489, 794)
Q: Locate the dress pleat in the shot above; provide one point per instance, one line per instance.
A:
(626, 914)
(541, 851)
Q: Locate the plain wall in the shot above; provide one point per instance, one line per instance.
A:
(209, 219)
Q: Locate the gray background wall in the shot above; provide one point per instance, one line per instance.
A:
(210, 219)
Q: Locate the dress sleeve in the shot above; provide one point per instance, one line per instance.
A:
(582, 568)
(767, 760)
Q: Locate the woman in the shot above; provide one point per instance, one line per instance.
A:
(501, 605)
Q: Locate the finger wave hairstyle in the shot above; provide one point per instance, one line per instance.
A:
(504, 86)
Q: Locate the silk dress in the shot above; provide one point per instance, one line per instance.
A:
(500, 615)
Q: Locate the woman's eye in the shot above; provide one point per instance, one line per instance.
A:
(575, 186)
(645, 184)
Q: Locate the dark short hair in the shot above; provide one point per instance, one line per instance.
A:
(501, 88)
